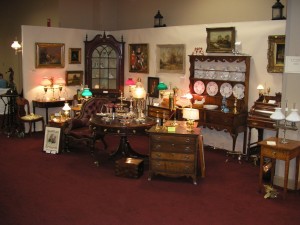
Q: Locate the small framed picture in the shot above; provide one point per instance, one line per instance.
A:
(152, 87)
(50, 55)
(276, 53)
(138, 58)
(52, 140)
(74, 78)
(74, 55)
(171, 58)
(220, 39)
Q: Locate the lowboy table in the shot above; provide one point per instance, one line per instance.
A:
(280, 151)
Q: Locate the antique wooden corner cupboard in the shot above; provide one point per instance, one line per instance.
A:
(104, 65)
(215, 77)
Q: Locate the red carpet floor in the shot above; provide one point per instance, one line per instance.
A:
(68, 189)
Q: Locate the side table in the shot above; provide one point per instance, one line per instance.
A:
(279, 151)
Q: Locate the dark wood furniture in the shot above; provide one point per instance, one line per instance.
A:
(218, 75)
(24, 116)
(79, 128)
(48, 104)
(259, 118)
(122, 128)
(176, 154)
(104, 65)
(279, 151)
(10, 112)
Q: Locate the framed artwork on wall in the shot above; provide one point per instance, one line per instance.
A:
(171, 58)
(74, 78)
(152, 87)
(276, 53)
(74, 55)
(139, 58)
(220, 40)
(52, 140)
(50, 55)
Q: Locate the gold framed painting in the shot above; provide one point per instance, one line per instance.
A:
(74, 55)
(171, 58)
(50, 55)
(220, 40)
(276, 53)
(74, 78)
(139, 58)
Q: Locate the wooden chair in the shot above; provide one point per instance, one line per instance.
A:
(24, 116)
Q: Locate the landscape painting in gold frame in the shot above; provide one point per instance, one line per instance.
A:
(50, 55)
(220, 40)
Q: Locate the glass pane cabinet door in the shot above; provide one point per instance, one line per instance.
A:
(104, 65)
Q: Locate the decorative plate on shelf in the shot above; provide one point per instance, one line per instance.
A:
(212, 88)
(199, 87)
(239, 91)
(226, 90)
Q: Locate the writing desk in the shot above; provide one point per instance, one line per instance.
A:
(279, 151)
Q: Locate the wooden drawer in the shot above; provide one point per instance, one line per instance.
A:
(172, 156)
(275, 154)
(219, 118)
(168, 147)
(260, 124)
(172, 167)
(173, 139)
(154, 111)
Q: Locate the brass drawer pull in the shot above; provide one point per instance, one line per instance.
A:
(187, 157)
(158, 146)
(158, 155)
(274, 154)
(187, 149)
(187, 140)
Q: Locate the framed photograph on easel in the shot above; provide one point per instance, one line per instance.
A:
(52, 140)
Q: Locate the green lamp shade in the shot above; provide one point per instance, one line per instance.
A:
(162, 86)
(86, 92)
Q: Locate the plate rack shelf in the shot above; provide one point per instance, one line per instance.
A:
(215, 76)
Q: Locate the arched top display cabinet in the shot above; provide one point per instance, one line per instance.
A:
(104, 65)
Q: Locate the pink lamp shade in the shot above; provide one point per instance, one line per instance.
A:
(129, 82)
(46, 82)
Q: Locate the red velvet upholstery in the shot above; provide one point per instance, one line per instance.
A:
(78, 128)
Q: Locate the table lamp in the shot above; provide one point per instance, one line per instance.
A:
(161, 87)
(66, 110)
(285, 122)
(129, 82)
(139, 94)
(191, 115)
(86, 93)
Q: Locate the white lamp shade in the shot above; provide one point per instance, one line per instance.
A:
(15, 45)
(66, 107)
(277, 115)
(60, 81)
(191, 114)
(45, 82)
(260, 87)
(139, 92)
(293, 116)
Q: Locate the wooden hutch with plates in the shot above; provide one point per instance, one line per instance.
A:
(217, 78)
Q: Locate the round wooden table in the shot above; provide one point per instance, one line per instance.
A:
(123, 127)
